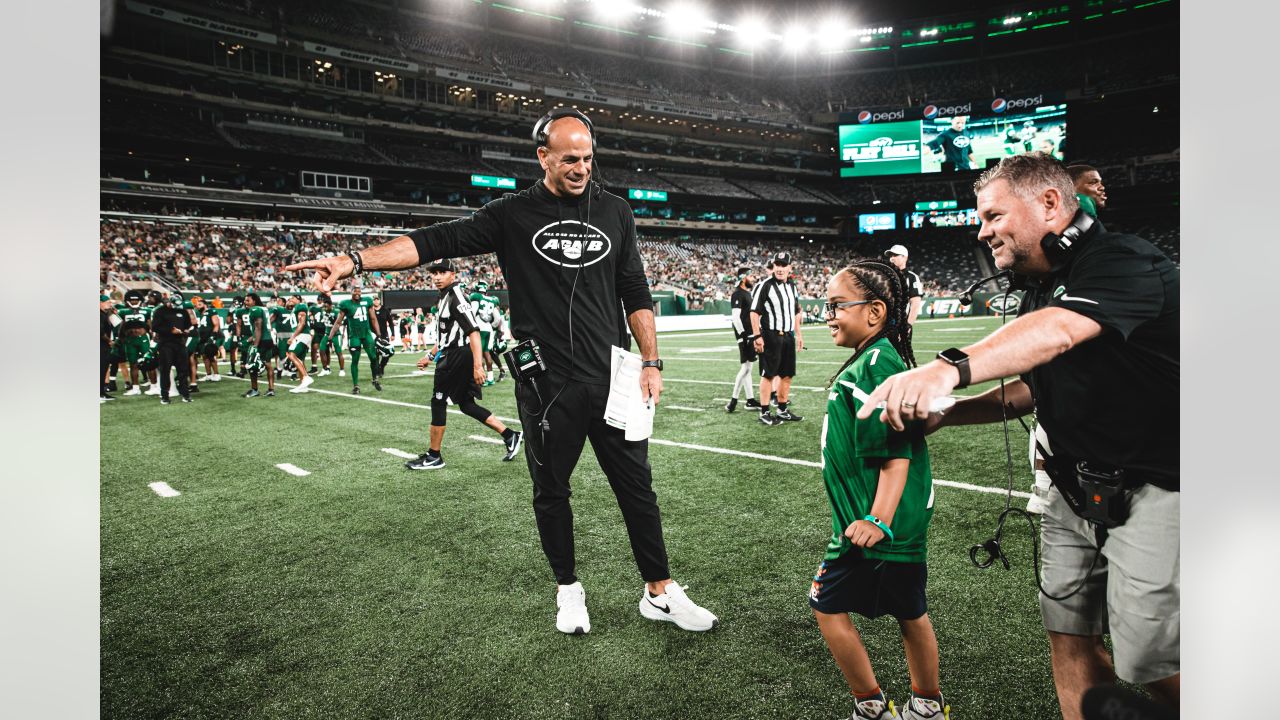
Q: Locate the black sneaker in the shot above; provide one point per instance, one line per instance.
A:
(114, 385)
(409, 463)
(513, 445)
(271, 393)
(164, 401)
(377, 385)
(252, 393)
(770, 419)
(426, 462)
(186, 398)
(732, 405)
(194, 388)
(105, 396)
(788, 415)
(313, 370)
(355, 389)
(752, 403)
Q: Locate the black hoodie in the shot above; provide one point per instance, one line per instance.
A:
(557, 254)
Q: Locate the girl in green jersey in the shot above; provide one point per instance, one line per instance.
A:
(880, 487)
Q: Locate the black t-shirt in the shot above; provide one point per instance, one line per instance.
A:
(956, 145)
(167, 318)
(553, 250)
(384, 322)
(740, 302)
(1114, 399)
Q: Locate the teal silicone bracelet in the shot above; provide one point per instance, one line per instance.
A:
(883, 528)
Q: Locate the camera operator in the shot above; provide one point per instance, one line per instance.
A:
(569, 253)
(1096, 346)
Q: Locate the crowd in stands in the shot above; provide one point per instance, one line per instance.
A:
(213, 257)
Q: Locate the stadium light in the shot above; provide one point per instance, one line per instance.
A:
(684, 19)
(795, 39)
(832, 34)
(612, 11)
(752, 32)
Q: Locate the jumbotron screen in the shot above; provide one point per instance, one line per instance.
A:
(961, 141)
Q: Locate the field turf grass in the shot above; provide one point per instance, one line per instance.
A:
(365, 590)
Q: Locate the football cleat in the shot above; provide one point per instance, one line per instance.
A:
(164, 401)
(752, 403)
(133, 391)
(731, 405)
(674, 606)
(302, 386)
(355, 389)
(377, 385)
(342, 373)
(153, 390)
(194, 388)
(186, 398)
(271, 393)
(513, 445)
(426, 462)
(251, 393)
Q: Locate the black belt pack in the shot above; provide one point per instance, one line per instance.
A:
(1094, 492)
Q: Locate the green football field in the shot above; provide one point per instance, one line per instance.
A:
(365, 590)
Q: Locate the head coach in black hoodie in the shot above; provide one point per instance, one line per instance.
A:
(568, 251)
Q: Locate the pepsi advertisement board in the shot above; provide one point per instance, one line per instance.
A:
(950, 138)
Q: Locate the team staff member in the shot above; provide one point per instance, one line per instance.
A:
(1089, 188)
(740, 316)
(569, 254)
(172, 326)
(954, 145)
(775, 321)
(459, 369)
(107, 322)
(1096, 345)
(915, 288)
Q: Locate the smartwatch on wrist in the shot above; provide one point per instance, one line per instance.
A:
(652, 364)
(958, 360)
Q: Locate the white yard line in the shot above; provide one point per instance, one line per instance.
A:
(399, 453)
(686, 409)
(670, 443)
(293, 469)
(163, 490)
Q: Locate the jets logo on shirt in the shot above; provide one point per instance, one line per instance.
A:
(570, 243)
(961, 141)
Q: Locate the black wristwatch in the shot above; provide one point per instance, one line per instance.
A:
(652, 364)
(958, 360)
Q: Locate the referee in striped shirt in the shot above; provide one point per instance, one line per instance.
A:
(459, 369)
(775, 323)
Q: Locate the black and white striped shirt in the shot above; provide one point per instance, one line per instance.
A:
(915, 288)
(777, 304)
(455, 320)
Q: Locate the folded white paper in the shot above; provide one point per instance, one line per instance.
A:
(626, 409)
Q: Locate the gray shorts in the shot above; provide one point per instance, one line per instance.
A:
(1133, 590)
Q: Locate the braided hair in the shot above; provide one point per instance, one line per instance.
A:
(878, 280)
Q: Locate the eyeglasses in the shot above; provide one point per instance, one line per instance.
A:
(829, 309)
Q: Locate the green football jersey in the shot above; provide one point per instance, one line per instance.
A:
(242, 315)
(357, 315)
(298, 316)
(486, 306)
(252, 316)
(321, 319)
(130, 318)
(281, 319)
(853, 451)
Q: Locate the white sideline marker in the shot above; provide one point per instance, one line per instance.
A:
(293, 469)
(399, 453)
(482, 438)
(682, 407)
(163, 490)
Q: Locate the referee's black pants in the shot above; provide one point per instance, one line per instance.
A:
(577, 415)
(174, 354)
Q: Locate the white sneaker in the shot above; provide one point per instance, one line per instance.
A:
(302, 386)
(153, 390)
(133, 391)
(674, 606)
(874, 710)
(572, 617)
(215, 378)
(323, 372)
(342, 373)
(922, 709)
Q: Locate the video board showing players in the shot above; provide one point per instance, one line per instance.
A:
(881, 144)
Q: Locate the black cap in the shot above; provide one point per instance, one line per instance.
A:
(444, 264)
(782, 259)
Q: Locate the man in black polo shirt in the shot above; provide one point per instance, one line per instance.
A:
(775, 321)
(172, 326)
(1096, 346)
(740, 316)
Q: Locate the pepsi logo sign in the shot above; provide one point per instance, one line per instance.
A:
(999, 105)
(866, 116)
(930, 112)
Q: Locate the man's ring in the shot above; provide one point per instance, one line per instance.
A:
(908, 405)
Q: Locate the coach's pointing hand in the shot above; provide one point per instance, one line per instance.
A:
(907, 396)
(329, 271)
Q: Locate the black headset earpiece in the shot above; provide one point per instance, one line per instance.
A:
(1058, 248)
(540, 127)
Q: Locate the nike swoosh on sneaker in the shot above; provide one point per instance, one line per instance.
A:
(665, 609)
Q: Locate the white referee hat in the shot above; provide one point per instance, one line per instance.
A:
(897, 250)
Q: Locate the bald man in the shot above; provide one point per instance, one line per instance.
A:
(568, 251)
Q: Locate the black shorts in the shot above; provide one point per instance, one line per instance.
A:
(267, 349)
(453, 378)
(779, 356)
(746, 351)
(870, 588)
